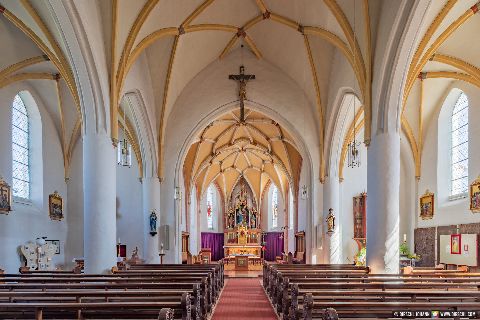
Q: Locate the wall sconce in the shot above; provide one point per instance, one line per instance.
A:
(304, 192)
(178, 194)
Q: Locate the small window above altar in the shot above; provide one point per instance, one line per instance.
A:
(275, 207)
(210, 206)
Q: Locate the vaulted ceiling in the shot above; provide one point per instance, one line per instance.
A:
(258, 149)
(446, 53)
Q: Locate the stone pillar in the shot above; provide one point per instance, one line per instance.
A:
(99, 192)
(331, 199)
(151, 201)
(383, 203)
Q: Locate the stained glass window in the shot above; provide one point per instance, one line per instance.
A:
(274, 207)
(459, 153)
(20, 149)
(210, 207)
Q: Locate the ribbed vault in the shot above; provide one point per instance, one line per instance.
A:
(258, 149)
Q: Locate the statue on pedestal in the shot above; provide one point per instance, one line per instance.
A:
(153, 223)
(330, 221)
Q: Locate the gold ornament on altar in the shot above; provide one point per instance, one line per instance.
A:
(330, 222)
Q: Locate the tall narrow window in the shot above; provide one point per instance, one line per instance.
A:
(459, 142)
(275, 207)
(210, 207)
(20, 149)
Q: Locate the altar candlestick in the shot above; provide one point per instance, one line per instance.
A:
(404, 237)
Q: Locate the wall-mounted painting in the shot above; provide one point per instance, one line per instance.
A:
(5, 197)
(475, 195)
(55, 206)
(56, 243)
(456, 244)
(427, 206)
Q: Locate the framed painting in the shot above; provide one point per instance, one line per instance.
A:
(5, 197)
(456, 244)
(55, 242)
(427, 206)
(475, 196)
(55, 206)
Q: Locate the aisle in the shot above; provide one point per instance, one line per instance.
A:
(243, 298)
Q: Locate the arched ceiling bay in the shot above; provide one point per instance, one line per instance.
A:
(301, 38)
(258, 149)
(445, 54)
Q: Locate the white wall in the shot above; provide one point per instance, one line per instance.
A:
(129, 206)
(354, 183)
(434, 173)
(30, 220)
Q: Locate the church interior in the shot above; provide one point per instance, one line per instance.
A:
(239, 159)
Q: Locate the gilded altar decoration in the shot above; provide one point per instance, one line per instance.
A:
(360, 219)
(475, 196)
(55, 206)
(427, 206)
(242, 233)
(5, 197)
(330, 222)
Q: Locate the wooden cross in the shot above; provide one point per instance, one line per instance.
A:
(242, 79)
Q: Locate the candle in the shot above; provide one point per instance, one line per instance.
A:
(404, 237)
(119, 240)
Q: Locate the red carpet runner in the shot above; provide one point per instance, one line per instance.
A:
(243, 298)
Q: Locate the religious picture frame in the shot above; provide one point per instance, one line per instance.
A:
(427, 205)
(55, 242)
(5, 197)
(475, 196)
(456, 244)
(55, 206)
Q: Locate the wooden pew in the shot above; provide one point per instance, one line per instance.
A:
(199, 302)
(112, 310)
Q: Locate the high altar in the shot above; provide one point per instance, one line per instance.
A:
(242, 233)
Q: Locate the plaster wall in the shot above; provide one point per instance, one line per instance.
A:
(129, 213)
(435, 172)
(354, 183)
(29, 219)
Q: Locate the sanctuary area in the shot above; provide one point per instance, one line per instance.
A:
(239, 159)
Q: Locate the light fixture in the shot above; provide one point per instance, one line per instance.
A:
(354, 145)
(124, 157)
(125, 153)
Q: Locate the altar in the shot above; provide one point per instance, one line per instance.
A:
(243, 238)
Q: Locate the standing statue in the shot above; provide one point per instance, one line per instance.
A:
(153, 223)
(330, 221)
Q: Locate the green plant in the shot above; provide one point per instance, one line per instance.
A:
(361, 257)
(404, 251)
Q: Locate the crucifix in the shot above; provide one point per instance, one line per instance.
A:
(242, 79)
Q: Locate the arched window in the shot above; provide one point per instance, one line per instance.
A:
(210, 212)
(275, 207)
(459, 147)
(20, 149)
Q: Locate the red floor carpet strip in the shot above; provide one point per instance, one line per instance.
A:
(243, 298)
